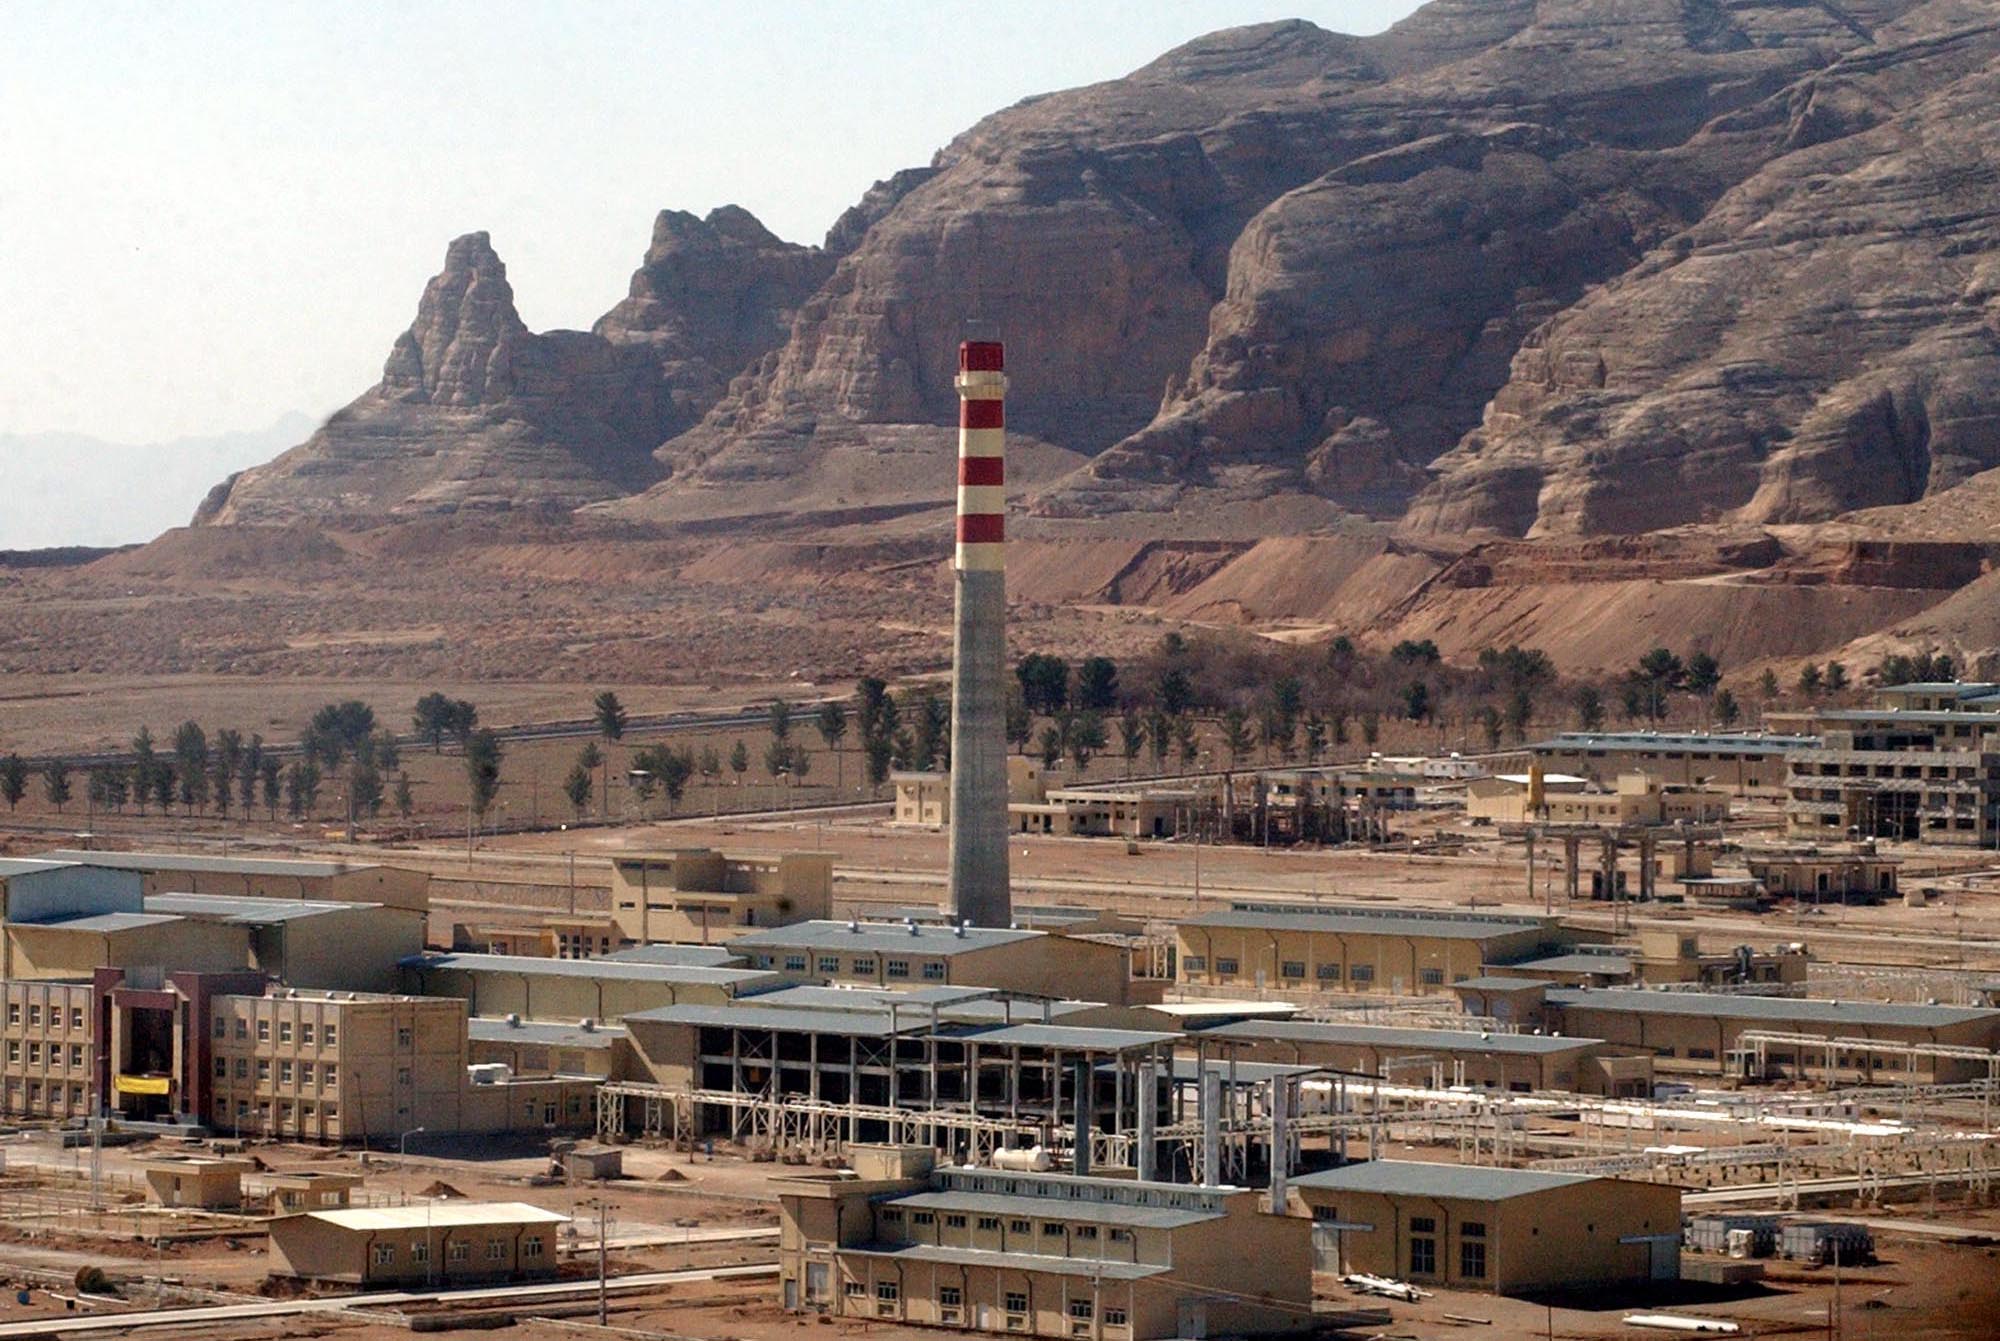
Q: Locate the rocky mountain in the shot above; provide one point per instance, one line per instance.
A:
(1525, 267)
(476, 412)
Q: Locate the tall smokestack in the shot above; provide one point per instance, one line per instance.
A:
(979, 890)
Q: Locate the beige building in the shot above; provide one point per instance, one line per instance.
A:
(924, 798)
(1816, 876)
(48, 1051)
(530, 1048)
(914, 954)
(702, 896)
(266, 878)
(1039, 1254)
(1705, 1033)
(1923, 765)
(295, 1190)
(1314, 948)
(605, 990)
(1510, 1231)
(1635, 798)
(1749, 764)
(351, 1066)
(195, 1181)
(439, 1243)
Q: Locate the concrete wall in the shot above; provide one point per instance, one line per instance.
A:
(54, 951)
(1409, 964)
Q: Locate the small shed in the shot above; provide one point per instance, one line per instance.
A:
(296, 1190)
(589, 1163)
(443, 1243)
(199, 1182)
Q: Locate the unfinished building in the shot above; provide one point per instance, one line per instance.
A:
(1923, 764)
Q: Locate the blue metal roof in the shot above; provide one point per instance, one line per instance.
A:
(880, 938)
(1767, 1009)
(1391, 1036)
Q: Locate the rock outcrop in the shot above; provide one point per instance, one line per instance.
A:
(476, 412)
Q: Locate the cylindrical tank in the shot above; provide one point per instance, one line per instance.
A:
(1033, 1159)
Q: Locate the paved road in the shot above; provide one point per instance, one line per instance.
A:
(202, 1316)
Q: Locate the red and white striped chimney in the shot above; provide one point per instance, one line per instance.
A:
(982, 456)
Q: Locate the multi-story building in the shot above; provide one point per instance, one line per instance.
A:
(1327, 948)
(704, 896)
(535, 987)
(1923, 764)
(1751, 764)
(48, 1050)
(1040, 1254)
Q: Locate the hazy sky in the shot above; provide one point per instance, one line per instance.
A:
(211, 214)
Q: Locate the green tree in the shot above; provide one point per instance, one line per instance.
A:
(878, 753)
(1236, 736)
(1371, 728)
(1159, 738)
(1185, 742)
(870, 694)
(577, 786)
(1767, 684)
(1413, 653)
(1836, 677)
(1051, 744)
(483, 758)
(1131, 739)
(295, 789)
(781, 721)
(1727, 710)
(268, 779)
(666, 768)
(711, 772)
(191, 764)
(1417, 701)
(145, 761)
(1020, 726)
(739, 761)
(1811, 680)
(225, 759)
(832, 726)
(434, 718)
(1084, 739)
(13, 780)
(55, 783)
(1044, 683)
(1520, 712)
(1703, 675)
(611, 718)
(1175, 692)
(406, 798)
(1097, 684)
(249, 766)
(336, 732)
(1315, 737)
(1589, 708)
(1490, 723)
(163, 784)
(364, 789)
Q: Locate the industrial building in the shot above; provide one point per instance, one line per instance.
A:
(1565, 798)
(1040, 1254)
(1748, 764)
(1781, 1037)
(265, 877)
(702, 896)
(1510, 1231)
(1923, 764)
(1329, 948)
(1009, 959)
(583, 1049)
(201, 1182)
(1438, 1057)
(440, 1243)
(604, 989)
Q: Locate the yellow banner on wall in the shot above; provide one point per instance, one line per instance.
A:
(141, 1084)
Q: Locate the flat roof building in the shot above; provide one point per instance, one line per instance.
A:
(1326, 948)
(1040, 1254)
(1483, 1058)
(1922, 765)
(1747, 764)
(605, 989)
(441, 1243)
(1510, 1231)
(702, 896)
(265, 877)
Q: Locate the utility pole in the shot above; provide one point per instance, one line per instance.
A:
(603, 1240)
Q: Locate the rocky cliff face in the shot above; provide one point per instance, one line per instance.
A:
(474, 411)
(1529, 266)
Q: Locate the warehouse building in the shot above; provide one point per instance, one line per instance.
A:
(1717, 1033)
(1040, 1254)
(701, 896)
(1751, 764)
(1009, 959)
(265, 877)
(1307, 947)
(441, 1243)
(531, 1048)
(606, 989)
(1510, 1231)
(1487, 1060)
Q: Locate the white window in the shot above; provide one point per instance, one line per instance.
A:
(385, 1254)
(332, 1034)
(284, 1031)
(420, 1253)
(263, 1031)
(461, 1251)
(531, 1248)
(306, 1033)
(496, 1250)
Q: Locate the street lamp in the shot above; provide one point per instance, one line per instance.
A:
(403, 1141)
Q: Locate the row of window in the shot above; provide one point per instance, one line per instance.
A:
(34, 1015)
(33, 1091)
(1013, 1302)
(1295, 969)
(34, 1053)
(306, 1113)
(991, 1224)
(330, 1034)
(459, 1250)
(860, 966)
(308, 1073)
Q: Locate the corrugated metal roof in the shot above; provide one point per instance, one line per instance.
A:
(1404, 1177)
(451, 1213)
(12, 866)
(600, 969)
(1496, 982)
(102, 923)
(975, 1257)
(1767, 1009)
(1201, 1010)
(1053, 1208)
(1577, 963)
(705, 956)
(1390, 1036)
(1371, 923)
(785, 1021)
(1067, 1036)
(176, 861)
(247, 911)
(1246, 1073)
(880, 938)
(542, 1033)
